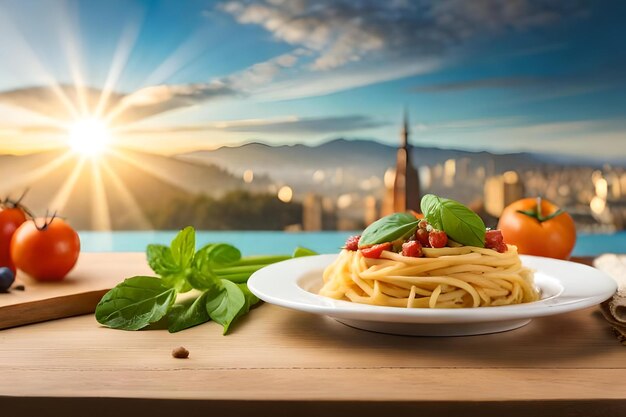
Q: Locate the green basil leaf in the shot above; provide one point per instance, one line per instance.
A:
(135, 303)
(300, 252)
(466, 226)
(160, 260)
(459, 222)
(225, 306)
(178, 281)
(203, 276)
(430, 206)
(183, 247)
(389, 228)
(188, 314)
(203, 280)
(216, 255)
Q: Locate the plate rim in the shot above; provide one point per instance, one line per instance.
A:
(303, 300)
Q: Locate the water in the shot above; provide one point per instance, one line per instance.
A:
(271, 243)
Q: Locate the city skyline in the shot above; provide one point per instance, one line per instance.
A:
(171, 77)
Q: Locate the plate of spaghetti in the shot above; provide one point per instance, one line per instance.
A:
(443, 274)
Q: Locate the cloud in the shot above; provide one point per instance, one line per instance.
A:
(60, 105)
(533, 88)
(57, 102)
(337, 45)
(346, 31)
(283, 125)
(470, 124)
(263, 73)
(154, 100)
(311, 84)
(60, 102)
(571, 137)
(481, 83)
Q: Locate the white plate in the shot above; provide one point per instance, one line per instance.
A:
(565, 286)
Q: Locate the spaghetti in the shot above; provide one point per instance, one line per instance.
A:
(447, 277)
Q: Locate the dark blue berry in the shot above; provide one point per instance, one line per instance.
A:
(6, 278)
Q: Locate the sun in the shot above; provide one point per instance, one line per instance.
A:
(89, 137)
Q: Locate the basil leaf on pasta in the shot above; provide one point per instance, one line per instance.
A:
(459, 222)
(389, 228)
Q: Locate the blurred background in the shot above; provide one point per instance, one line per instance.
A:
(301, 115)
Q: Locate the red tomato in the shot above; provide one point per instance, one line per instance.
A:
(538, 227)
(352, 243)
(376, 250)
(10, 219)
(494, 240)
(412, 248)
(422, 236)
(438, 238)
(47, 253)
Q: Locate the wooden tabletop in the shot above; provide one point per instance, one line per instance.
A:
(280, 362)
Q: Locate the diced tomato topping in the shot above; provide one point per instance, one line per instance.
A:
(494, 240)
(412, 248)
(376, 250)
(493, 237)
(422, 237)
(353, 242)
(438, 238)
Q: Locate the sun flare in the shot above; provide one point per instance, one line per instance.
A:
(89, 137)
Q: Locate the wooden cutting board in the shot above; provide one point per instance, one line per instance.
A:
(78, 293)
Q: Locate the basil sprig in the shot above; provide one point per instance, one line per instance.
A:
(459, 222)
(135, 303)
(216, 271)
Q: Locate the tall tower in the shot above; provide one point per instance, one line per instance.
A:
(406, 185)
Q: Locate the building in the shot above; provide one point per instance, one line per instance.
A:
(404, 192)
(502, 190)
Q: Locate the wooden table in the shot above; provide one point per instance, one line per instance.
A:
(281, 363)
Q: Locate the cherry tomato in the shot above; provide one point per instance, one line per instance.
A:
(422, 236)
(538, 227)
(47, 253)
(10, 219)
(376, 250)
(352, 243)
(438, 238)
(412, 248)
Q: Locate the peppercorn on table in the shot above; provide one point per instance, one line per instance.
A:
(280, 362)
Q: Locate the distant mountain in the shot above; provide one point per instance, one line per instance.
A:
(347, 154)
(342, 165)
(129, 189)
(125, 186)
(350, 171)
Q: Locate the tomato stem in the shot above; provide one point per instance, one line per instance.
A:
(19, 200)
(46, 223)
(537, 213)
(17, 204)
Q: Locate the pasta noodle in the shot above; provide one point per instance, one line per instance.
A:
(449, 277)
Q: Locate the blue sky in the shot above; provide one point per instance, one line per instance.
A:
(524, 75)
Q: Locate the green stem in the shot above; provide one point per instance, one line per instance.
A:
(261, 260)
(236, 278)
(245, 269)
(537, 213)
(240, 271)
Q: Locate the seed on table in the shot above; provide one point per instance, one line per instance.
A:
(180, 353)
